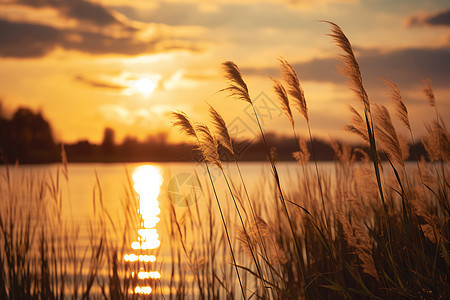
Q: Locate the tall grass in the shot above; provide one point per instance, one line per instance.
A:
(370, 232)
(367, 230)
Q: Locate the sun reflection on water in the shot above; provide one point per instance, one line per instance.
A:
(147, 184)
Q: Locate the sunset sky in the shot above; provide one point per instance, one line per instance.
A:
(87, 64)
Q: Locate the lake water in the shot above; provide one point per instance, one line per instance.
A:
(137, 198)
(161, 178)
(90, 188)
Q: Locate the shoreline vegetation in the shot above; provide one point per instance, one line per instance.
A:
(375, 231)
(26, 138)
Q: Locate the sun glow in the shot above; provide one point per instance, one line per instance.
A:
(143, 258)
(143, 290)
(147, 183)
(147, 180)
(144, 86)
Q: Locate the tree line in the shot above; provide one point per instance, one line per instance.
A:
(27, 137)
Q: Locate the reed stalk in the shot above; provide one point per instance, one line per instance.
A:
(183, 122)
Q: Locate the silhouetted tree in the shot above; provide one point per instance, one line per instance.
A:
(108, 143)
(3, 135)
(27, 137)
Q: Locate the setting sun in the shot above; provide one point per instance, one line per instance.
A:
(144, 86)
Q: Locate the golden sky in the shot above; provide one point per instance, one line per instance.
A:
(87, 64)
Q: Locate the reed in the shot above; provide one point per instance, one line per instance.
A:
(226, 141)
(385, 232)
(238, 88)
(296, 92)
(209, 153)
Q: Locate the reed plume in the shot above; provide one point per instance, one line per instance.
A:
(260, 226)
(402, 115)
(352, 71)
(442, 133)
(183, 123)
(280, 91)
(396, 96)
(366, 185)
(224, 137)
(236, 85)
(208, 145)
(428, 91)
(437, 142)
(302, 156)
(344, 152)
(294, 88)
(296, 92)
(350, 68)
(357, 125)
(387, 135)
(356, 238)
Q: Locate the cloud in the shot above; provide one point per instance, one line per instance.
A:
(96, 30)
(440, 18)
(100, 84)
(119, 114)
(407, 67)
(201, 4)
(26, 40)
(78, 9)
(230, 14)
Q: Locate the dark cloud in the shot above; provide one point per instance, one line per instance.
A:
(78, 9)
(441, 18)
(24, 40)
(409, 66)
(27, 40)
(406, 67)
(99, 84)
